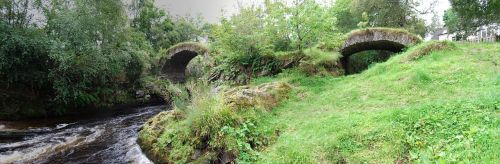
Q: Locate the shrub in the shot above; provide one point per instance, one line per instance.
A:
(317, 61)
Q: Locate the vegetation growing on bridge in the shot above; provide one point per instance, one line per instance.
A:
(390, 32)
(192, 46)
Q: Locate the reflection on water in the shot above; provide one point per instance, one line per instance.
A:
(103, 139)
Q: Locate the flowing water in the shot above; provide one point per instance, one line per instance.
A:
(103, 138)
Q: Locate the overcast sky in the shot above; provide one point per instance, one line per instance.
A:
(212, 10)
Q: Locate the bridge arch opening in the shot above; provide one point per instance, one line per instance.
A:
(382, 40)
(174, 65)
(361, 61)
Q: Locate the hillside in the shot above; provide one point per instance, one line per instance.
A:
(422, 105)
(441, 107)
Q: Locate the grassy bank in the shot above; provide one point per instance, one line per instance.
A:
(434, 102)
(443, 106)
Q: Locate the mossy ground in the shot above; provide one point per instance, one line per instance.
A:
(443, 106)
(214, 127)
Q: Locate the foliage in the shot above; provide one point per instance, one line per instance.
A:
(347, 19)
(161, 30)
(466, 16)
(82, 53)
(451, 21)
(246, 44)
(380, 13)
(320, 62)
(24, 68)
(24, 60)
(90, 54)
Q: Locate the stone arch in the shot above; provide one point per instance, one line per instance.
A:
(394, 40)
(173, 65)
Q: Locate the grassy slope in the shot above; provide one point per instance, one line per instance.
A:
(444, 106)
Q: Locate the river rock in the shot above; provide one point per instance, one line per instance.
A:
(140, 94)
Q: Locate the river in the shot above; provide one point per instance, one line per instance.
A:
(102, 138)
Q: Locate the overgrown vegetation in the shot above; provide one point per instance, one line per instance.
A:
(441, 108)
(321, 62)
(263, 40)
(352, 14)
(213, 127)
(80, 54)
(388, 32)
(436, 102)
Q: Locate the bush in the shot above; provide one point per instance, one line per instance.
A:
(319, 62)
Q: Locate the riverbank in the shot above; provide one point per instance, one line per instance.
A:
(41, 112)
(425, 104)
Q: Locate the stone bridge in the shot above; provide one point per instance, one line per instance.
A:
(394, 40)
(173, 65)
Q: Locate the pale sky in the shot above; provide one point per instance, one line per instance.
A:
(212, 10)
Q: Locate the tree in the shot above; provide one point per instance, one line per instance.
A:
(81, 53)
(300, 25)
(381, 13)
(466, 16)
(24, 54)
(452, 23)
(346, 15)
(15, 12)
(162, 30)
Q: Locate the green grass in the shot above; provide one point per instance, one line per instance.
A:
(318, 57)
(442, 107)
(426, 48)
(208, 126)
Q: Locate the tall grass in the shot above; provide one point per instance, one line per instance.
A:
(203, 129)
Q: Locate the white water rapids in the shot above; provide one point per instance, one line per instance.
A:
(105, 139)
